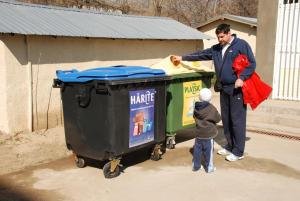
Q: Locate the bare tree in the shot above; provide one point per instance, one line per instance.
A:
(157, 5)
(190, 12)
(124, 6)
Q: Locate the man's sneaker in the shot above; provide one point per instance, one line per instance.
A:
(223, 152)
(233, 157)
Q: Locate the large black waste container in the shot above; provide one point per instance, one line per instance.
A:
(111, 111)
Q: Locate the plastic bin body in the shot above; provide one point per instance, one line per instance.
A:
(182, 92)
(104, 119)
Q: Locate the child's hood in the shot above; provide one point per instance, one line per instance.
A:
(206, 111)
(201, 105)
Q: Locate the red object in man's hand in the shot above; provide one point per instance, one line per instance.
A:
(240, 63)
(254, 89)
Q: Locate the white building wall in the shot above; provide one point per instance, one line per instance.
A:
(37, 63)
(3, 99)
(15, 87)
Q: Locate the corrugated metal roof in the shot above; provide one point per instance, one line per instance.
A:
(245, 20)
(32, 19)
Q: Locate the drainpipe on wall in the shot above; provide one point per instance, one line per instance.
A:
(30, 107)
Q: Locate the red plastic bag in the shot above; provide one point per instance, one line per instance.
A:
(240, 63)
(254, 89)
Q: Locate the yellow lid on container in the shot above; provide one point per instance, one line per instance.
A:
(184, 67)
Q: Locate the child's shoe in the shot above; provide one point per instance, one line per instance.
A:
(211, 170)
(195, 169)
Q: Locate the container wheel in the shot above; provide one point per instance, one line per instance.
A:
(108, 173)
(156, 153)
(80, 162)
(155, 157)
(170, 142)
(171, 146)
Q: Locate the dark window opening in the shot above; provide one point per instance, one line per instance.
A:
(290, 1)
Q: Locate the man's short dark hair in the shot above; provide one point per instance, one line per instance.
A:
(223, 28)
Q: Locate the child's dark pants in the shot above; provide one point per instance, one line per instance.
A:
(203, 147)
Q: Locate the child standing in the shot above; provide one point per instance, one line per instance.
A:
(206, 116)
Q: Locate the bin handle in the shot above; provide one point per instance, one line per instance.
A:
(101, 88)
(58, 83)
(84, 96)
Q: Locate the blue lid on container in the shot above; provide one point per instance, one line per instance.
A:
(108, 73)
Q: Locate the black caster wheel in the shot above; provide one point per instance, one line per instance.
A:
(155, 157)
(171, 146)
(80, 162)
(170, 143)
(108, 174)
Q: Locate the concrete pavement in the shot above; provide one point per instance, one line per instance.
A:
(270, 171)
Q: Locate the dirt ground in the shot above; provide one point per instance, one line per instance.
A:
(270, 171)
(29, 149)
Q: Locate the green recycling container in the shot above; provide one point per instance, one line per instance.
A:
(182, 93)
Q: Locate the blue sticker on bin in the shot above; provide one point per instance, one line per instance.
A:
(142, 104)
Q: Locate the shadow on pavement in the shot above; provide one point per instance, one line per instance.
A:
(17, 186)
(142, 155)
(127, 160)
(188, 134)
(11, 193)
(263, 165)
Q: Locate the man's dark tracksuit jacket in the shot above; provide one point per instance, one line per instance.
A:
(233, 111)
(228, 76)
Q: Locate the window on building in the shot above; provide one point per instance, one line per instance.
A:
(290, 1)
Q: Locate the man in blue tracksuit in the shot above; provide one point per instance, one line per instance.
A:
(233, 109)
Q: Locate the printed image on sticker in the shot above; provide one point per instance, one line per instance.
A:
(190, 96)
(141, 121)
